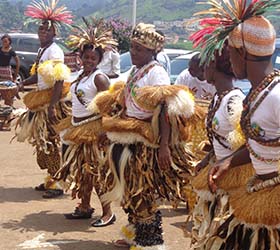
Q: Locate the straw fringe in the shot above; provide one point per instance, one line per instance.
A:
(40, 98)
(266, 204)
(36, 129)
(234, 178)
(129, 126)
(179, 97)
(85, 133)
(105, 102)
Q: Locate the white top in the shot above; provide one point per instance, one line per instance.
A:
(164, 60)
(222, 123)
(110, 63)
(201, 89)
(266, 121)
(53, 52)
(156, 76)
(86, 87)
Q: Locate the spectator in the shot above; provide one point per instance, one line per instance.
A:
(110, 64)
(163, 58)
(6, 54)
(193, 77)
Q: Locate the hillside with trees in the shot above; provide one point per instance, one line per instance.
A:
(12, 18)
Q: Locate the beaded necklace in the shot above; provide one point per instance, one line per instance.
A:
(247, 112)
(134, 77)
(213, 107)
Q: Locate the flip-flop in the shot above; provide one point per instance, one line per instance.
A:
(102, 223)
(121, 243)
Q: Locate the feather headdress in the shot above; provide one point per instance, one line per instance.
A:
(48, 10)
(91, 33)
(222, 18)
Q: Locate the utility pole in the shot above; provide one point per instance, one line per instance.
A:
(134, 6)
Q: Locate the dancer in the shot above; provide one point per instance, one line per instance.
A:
(45, 105)
(83, 157)
(255, 221)
(146, 121)
(223, 116)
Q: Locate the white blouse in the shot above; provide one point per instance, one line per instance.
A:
(53, 52)
(266, 122)
(222, 124)
(156, 76)
(87, 89)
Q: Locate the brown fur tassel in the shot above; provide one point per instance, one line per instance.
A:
(40, 98)
(129, 125)
(149, 97)
(85, 133)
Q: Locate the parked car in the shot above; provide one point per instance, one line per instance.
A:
(26, 46)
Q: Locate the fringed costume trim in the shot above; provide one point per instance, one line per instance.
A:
(36, 128)
(39, 99)
(137, 173)
(212, 210)
(84, 163)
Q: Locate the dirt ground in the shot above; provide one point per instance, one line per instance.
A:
(27, 221)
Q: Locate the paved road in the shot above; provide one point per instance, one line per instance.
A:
(30, 222)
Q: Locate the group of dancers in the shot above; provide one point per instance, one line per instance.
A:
(136, 142)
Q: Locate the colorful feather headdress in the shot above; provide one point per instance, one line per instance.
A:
(225, 17)
(91, 33)
(48, 10)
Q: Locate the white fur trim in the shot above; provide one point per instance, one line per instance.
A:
(181, 104)
(128, 138)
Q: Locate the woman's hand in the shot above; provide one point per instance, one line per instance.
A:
(216, 171)
(164, 157)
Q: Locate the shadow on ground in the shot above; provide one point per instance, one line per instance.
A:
(86, 245)
(24, 194)
(48, 222)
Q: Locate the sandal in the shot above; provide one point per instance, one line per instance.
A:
(121, 243)
(78, 214)
(102, 223)
(40, 187)
(52, 193)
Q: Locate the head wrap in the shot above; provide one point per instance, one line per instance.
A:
(91, 33)
(146, 35)
(241, 22)
(256, 35)
(48, 11)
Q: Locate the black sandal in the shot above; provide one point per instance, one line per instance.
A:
(52, 193)
(78, 214)
(40, 187)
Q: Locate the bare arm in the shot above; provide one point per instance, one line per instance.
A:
(56, 95)
(101, 82)
(164, 156)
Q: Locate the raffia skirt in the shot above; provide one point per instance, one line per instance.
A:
(211, 210)
(83, 162)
